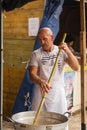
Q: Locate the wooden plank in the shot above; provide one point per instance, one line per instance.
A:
(83, 62)
(17, 27)
(7, 106)
(83, 79)
(17, 51)
(16, 22)
(12, 78)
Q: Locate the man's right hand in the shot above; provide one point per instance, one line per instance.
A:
(44, 86)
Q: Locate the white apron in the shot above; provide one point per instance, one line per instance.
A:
(55, 100)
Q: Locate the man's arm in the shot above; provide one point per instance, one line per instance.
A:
(33, 74)
(44, 86)
(71, 59)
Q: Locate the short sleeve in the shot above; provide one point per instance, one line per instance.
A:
(33, 59)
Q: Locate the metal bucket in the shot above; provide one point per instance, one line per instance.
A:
(46, 121)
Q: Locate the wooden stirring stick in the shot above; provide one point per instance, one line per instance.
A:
(43, 99)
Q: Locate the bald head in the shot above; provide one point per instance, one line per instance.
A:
(45, 30)
(46, 38)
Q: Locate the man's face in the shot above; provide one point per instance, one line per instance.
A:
(46, 40)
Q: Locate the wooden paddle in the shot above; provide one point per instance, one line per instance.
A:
(53, 69)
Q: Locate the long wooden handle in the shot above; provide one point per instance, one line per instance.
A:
(43, 99)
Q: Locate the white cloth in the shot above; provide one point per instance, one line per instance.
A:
(55, 100)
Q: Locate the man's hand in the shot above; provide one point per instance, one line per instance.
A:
(64, 46)
(44, 86)
(71, 60)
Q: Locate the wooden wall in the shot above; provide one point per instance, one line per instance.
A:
(17, 48)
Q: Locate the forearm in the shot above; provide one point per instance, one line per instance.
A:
(72, 61)
(35, 78)
(44, 86)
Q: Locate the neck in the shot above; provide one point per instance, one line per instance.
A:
(51, 48)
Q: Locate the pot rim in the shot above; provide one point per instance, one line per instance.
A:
(34, 112)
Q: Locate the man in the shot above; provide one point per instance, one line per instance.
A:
(40, 66)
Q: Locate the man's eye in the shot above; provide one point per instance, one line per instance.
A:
(44, 39)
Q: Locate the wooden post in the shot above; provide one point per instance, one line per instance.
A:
(1, 71)
(1, 68)
(83, 62)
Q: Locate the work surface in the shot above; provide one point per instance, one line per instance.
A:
(74, 123)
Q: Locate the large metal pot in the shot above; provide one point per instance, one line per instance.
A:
(46, 121)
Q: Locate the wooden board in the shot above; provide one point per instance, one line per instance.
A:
(17, 48)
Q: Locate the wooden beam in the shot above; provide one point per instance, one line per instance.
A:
(83, 62)
(1, 71)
